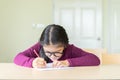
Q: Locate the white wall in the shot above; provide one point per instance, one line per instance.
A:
(16, 19)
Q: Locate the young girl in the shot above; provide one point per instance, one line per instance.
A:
(53, 47)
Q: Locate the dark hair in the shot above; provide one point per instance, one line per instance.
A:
(53, 34)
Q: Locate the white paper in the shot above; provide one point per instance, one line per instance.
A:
(49, 67)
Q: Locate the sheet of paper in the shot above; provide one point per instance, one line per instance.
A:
(49, 67)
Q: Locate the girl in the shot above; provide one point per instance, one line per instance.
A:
(53, 47)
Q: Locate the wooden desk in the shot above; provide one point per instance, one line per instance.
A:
(12, 71)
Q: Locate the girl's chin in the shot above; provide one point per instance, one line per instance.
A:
(54, 59)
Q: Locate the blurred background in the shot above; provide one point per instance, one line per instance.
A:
(89, 23)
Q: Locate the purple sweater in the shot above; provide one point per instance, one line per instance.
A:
(74, 55)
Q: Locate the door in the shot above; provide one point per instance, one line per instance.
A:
(113, 12)
(82, 21)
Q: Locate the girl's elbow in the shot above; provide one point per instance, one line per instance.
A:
(97, 62)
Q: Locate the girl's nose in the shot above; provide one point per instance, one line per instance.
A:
(52, 57)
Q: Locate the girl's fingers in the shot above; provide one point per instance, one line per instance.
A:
(57, 64)
(39, 63)
(40, 66)
(63, 63)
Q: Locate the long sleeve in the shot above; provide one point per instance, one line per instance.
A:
(82, 58)
(26, 57)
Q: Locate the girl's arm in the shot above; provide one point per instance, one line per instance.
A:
(26, 57)
(83, 58)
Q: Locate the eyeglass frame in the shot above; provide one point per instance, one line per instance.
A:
(53, 53)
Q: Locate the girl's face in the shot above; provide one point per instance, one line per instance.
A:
(54, 52)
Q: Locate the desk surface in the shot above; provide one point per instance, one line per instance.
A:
(12, 71)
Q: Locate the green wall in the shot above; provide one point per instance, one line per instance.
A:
(16, 30)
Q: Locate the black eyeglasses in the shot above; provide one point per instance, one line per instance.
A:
(56, 54)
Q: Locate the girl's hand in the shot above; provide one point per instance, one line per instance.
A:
(39, 63)
(63, 63)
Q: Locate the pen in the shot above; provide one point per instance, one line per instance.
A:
(36, 53)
